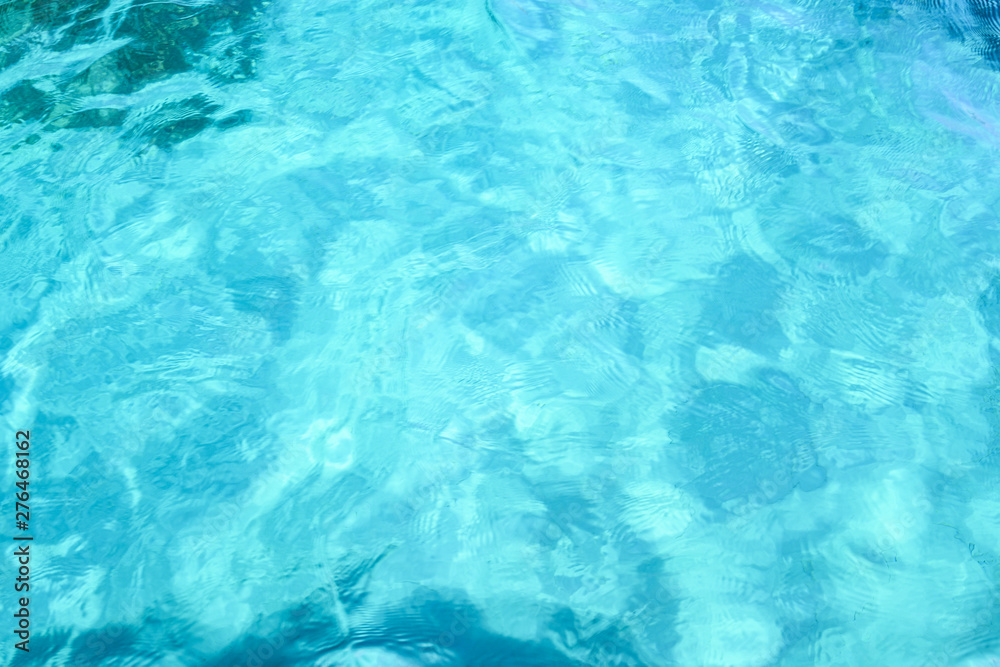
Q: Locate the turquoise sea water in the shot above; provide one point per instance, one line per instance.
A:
(506, 333)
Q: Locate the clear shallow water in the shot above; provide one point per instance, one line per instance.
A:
(519, 333)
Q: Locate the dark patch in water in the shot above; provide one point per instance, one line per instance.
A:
(423, 629)
(275, 298)
(975, 22)
(234, 120)
(866, 10)
(751, 443)
(24, 102)
(748, 292)
(97, 645)
(179, 121)
(221, 39)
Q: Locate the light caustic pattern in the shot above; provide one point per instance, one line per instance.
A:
(514, 332)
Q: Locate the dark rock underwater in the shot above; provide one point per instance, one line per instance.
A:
(116, 52)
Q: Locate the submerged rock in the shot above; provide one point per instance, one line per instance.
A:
(149, 42)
